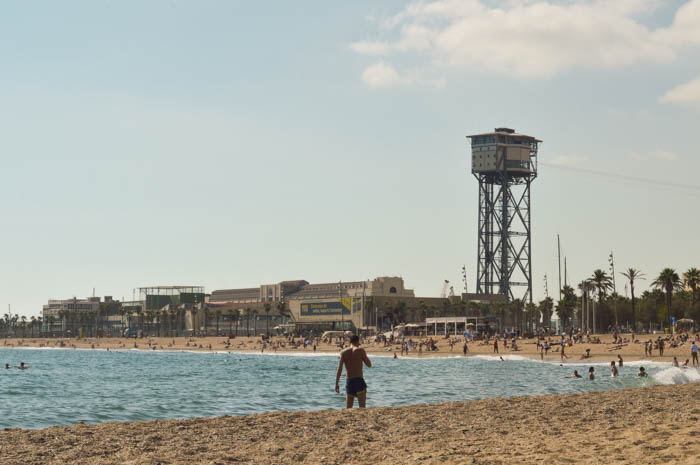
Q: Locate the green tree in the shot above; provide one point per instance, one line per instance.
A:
(692, 279)
(254, 314)
(566, 306)
(545, 307)
(268, 308)
(632, 275)
(217, 312)
(602, 283)
(668, 281)
(248, 311)
(532, 315)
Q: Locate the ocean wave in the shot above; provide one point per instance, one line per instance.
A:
(676, 375)
(510, 357)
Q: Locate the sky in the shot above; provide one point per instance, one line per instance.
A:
(228, 143)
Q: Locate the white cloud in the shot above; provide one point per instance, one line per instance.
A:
(383, 74)
(567, 160)
(380, 75)
(685, 94)
(370, 48)
(529, 38)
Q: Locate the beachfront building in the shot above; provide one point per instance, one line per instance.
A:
(168, 310)
(305, 306)
(301, 306)
(71, 317)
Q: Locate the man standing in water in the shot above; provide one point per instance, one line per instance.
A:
(355, 385)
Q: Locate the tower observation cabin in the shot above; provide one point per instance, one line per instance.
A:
(504, 163)
(504, 151)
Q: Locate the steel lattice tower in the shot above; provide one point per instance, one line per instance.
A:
(505, 164)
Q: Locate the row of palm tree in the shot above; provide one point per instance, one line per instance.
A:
(668, 281)
(18, 325)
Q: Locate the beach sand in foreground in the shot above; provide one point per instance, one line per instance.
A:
(646, 425)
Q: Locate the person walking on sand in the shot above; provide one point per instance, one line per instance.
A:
(465, 349)
(495, 345)
(694, 353)
(352, 358)
(562, 354)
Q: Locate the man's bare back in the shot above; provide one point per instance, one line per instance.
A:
(352, 359)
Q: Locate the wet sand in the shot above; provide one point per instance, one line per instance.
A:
(603, 351)
(647, 425)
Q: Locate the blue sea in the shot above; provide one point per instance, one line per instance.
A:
(65, 386)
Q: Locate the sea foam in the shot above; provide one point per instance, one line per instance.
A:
(676, 375)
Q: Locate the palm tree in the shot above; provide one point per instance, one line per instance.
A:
(602, 282)
(206, 320)
(446, 307)
(531, 313)
(254, 313)
(32, 325)
(268, 308)
(668, 281)
(421, 310)
(692, 279)
(122, 312)
(566, 306)
(231, 312)
(247, 312)
(50, 320)
(400, 311)
(545, 307)
(283, 310)
(139, 320)
(633, 274)
(462, 305)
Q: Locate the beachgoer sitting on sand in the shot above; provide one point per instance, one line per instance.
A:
(587, 354)
(642, 373)
(591, 373)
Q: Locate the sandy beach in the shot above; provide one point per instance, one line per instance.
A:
(647, 425)
(606, 350)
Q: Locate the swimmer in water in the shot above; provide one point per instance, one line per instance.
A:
(642, 373)
(501, 359)
(7, 366)
(619, 361)
(22, 366)
(576, 375)
(591, 373)
(675, 362)
(613, 369)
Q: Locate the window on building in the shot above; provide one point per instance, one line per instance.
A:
(392, 290)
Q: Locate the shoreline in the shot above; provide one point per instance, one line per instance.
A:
(597, 361)
(631, 352)
(641, 425)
